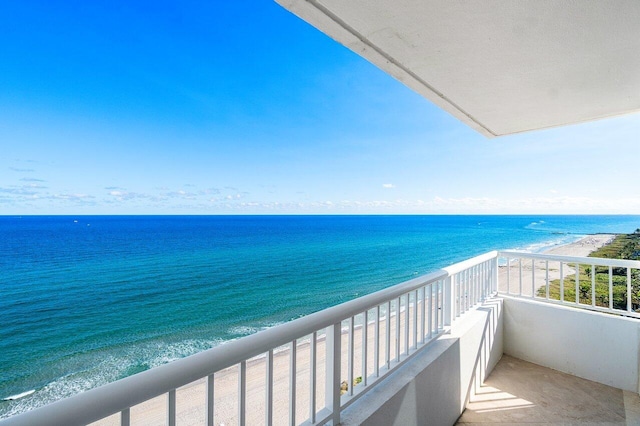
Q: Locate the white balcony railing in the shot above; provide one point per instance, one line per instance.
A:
(363, 339)
(350, 346)
(604, 285)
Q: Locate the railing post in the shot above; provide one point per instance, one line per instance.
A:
(333, 363)
(449, 300)
(494, 274)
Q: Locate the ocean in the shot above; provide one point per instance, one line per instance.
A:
(87, 300)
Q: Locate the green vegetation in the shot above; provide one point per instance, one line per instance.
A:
(626, 246)
(344, 386)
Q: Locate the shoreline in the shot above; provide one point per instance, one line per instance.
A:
(582, 247)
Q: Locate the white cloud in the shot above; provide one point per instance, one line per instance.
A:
(122, 195)
(209, 191)
(440, 205)
(181, 194)
(388, 185)
(72, 196)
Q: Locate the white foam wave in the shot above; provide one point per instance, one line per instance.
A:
(244, 330)
(18, 396)
(546, 245)
(102, 368)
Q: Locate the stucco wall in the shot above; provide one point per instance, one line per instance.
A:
(434, 386)
(594, 346)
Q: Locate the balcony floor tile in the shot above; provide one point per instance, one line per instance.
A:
(520, 392)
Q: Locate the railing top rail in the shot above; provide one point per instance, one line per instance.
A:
(106, 400)
(465, 264)
(597, 261)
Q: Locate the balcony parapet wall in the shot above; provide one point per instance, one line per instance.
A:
(596, 346)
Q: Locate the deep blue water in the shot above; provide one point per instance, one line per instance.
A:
(88, 300)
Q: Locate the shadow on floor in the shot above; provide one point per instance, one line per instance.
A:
(520, 392)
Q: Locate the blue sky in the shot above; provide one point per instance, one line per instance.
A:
(241, 108)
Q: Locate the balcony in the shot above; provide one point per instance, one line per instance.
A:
(416, 353)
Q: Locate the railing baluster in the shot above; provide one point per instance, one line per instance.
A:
(423, 316)
(365, 338)
(478, 284)
(350, 354)
(292, 381)
(398, 325)
(312, 378)
(593, 285)
(533, 278)
(546, 264)
(520, 276)
(210, 399)
(561, 282)
(495, 272)
(610, 287)
(332, 371)
(171, 408)
(437, 323)
(485, 280)
(629, 305)
(481, 281)
(463, 291)
(476, 273)
(125, 417)
(577, 283)
(387, 352)
(406, 326)
(441, 303)
(376, 337)
(488, 279)
(458, 291)
(475, 280)
(467, 294)
(430, 311)
(472, 282)
(269, 393)
(242, 394)
(508, 275)
(415, 319)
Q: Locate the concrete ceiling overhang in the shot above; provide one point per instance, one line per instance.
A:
(502, 67)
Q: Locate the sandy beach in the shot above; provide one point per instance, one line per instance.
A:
(534, 274)
(191, 398)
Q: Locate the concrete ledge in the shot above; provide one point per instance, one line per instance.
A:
(434, 386)
(592, 345)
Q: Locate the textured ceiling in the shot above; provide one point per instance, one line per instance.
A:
(501, 67)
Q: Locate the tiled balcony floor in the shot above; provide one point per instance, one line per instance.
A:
(519, 392)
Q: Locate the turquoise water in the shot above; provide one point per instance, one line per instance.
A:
(88, 300)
